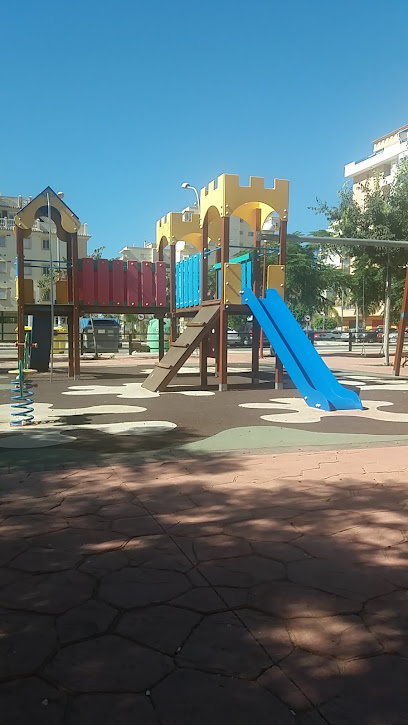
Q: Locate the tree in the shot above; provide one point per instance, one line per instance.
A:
(309, 279)
(383, 214)
(97, 253)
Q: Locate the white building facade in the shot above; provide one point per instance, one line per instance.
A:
(388, 152)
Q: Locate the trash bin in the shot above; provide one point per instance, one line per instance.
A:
(60, 340)
(152, 338)
(105, 332)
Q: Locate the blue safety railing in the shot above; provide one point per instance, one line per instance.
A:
(188, 278)
(188, 282)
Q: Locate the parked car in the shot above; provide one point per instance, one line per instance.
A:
(326, 334)
(394, 335)
(233, 337)
(246, 337)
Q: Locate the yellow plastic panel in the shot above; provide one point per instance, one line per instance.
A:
(233, 284)
(276, 278)
(28, 290)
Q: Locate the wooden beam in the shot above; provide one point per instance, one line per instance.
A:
(283, 232)
(401, 330)
(172, 287)
(75, 310)
(20, 282)
(256, 330)
(225, 230)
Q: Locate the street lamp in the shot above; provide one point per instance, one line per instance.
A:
(186, 185)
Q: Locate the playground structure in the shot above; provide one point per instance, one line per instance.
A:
(237, 291)
(102, 286)
(85, 286)
(21, 388)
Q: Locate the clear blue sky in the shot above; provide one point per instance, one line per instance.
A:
(117, 103)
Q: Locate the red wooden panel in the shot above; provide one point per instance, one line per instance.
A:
(87, 293)
(147, 284)
(161, 284)
(102, 289)
(133, 283)
(80, 297)
(118, 282)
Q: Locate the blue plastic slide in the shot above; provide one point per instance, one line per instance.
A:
(308, 371)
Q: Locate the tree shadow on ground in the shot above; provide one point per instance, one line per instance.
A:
(214, 589)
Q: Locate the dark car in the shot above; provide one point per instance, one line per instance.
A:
(246, 337)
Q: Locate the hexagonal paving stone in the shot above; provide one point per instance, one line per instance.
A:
(288, 600)
(387, 618)
(80, 541)
(45, 560)
(137, 526)
(101, 564)
(108, 663)
(188, 697)
(31, 702)
(375, 692)
(48, 593)
(263, 529)
(269, 631)
(110, 709)
(222, 644)
(22, 527)
(92, 617)
(318, 678)
(242, 571)
(219, 547)
(163, 628)
(343, 637)
(201, 599)
(335, 578)
(138, 587)
(278, 683)
(26, 640)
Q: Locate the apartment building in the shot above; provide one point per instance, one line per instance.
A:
(388, 151)
(36, 251)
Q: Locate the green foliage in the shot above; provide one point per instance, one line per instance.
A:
(97, 253)
(382, 215)
(323, 323)
(308, 278)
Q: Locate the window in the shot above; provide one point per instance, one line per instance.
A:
(2, 241)
(46, 270)
(3, 294)
(27, 270)
(45, 243)
(250, 234)
(27, 243)
(2, 266)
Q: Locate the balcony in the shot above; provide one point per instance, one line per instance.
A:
(8, 224)
(390, 154)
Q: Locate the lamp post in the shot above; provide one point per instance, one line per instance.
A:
(186, 185)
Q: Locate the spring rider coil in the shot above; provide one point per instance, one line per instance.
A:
(22, 394)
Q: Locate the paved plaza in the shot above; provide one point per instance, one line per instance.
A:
(189, 559)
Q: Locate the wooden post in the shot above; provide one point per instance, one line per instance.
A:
(71, 311)
(172, 301)
(204, 290)
(225, 228)
(401, 330)
(20, 282)
(283, 228)
(256, 330)
(75, 306)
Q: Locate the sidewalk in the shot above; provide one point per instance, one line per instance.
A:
(253, 590)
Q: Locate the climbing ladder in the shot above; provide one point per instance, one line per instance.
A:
(180, 351)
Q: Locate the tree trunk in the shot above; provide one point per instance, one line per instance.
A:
(387, 315)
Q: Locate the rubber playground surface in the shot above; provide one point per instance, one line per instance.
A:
(185, 559)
